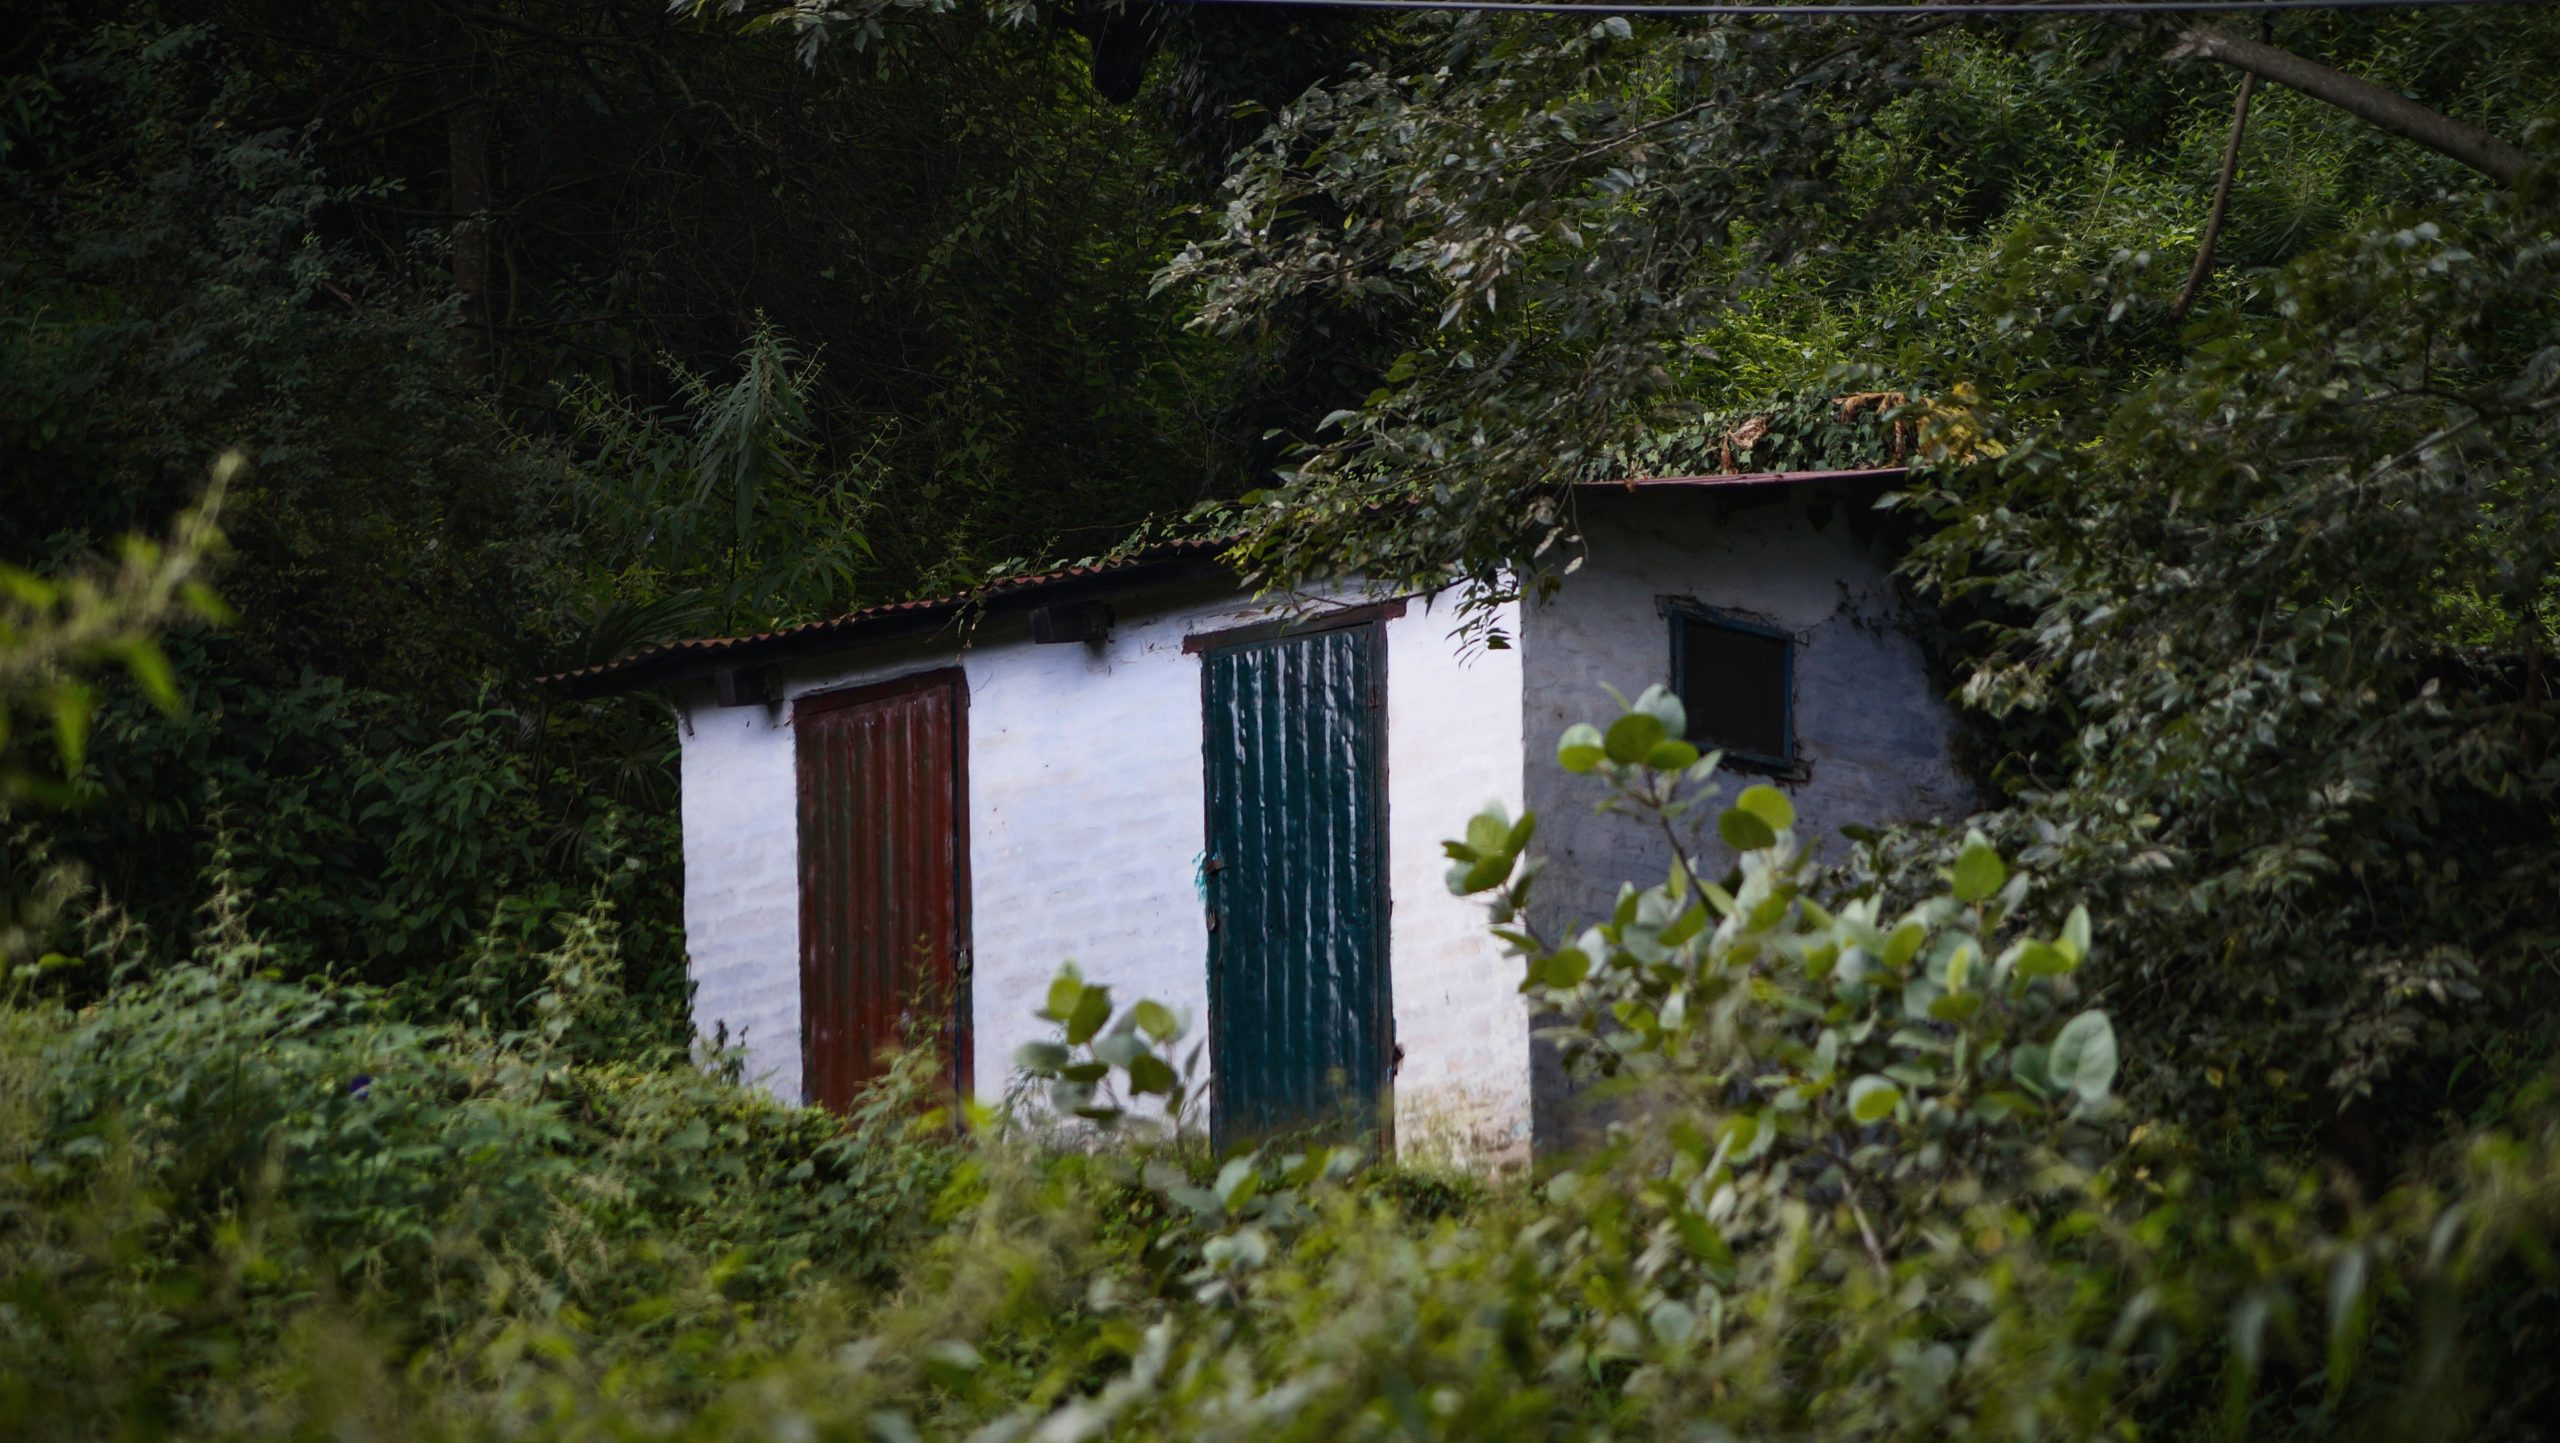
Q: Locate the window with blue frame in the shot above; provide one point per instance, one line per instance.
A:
(1736, 679)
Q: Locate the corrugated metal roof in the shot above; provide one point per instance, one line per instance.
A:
(888, 619)
(1747, 478)
(1185, 560)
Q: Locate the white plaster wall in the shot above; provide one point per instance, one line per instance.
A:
(1453, 745)
(1873, 736)
(1085, 806)
(742, 886)
(1086, 830)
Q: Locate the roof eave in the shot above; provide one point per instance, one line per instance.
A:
(680, 662)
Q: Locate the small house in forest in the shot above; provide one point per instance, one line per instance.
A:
(1235, 805)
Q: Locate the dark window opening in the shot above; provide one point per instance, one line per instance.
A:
(1736, 682)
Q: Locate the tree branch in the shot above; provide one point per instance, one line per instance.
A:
(2221, 201)
(2401, 116)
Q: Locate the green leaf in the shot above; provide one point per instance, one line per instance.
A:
(1769, 805)
(2346, 1318)
(2083, 1058)
(1093, 1009)
(151, 670)
(1978, 870)
(1688, 924)
(1904, 944)
(2043, 959)
(1238, 1181)
(1960, 964)
(1663, 705)
(1150, 1073)
(1481, 876)
(2075, 935)
(1632, 738)
(1743, 831)
(1872, 1099)
(1487, 831)
(1041, 1059)
(1672, 1321)
(1706, 1242)
(1157, 1020)
(1672, 756)
(1566, 968)
(1065, 991)
(1580, 748)
(2031, 1065)
(72, 704)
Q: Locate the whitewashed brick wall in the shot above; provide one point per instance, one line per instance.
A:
(742, 886)
(1086, 829)
(1453, 745)
(1874, 737)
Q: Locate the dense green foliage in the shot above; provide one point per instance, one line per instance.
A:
(1893, 1194)
(544, 331)
(2198, 1084)
(2255, 601)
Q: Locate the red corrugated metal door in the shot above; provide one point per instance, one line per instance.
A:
(884, 857)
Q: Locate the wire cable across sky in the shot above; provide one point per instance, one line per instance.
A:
(1875, 10)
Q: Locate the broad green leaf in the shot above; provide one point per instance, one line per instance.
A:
(1489, 873)
(2083, 1058)
(1150, 1073)
(1093, 1009)
(2075, 935)
(1672, 756)
(1685, 926)
(1673, 1321)
(1065, 991)
(1487, 831)
(1157, 1020)
(1768, 804)
(1978, 870)
(1904, 944)
(2043, 959)
(1872, 1099)
(1744, 832)
(1566, 968)
(1040, 1059)
(1632, 738)
(1663, 705)
(1955, 1006)
(1238, 1181)
(1580, 748)
(1960, 964)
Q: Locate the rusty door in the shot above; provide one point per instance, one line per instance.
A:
(884, 856)
(1300, 1026)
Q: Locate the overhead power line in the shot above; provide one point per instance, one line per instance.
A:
(1867, 10)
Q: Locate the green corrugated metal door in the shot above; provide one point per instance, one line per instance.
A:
(1301, 1030)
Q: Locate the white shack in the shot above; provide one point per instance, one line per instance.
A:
(1236, 806)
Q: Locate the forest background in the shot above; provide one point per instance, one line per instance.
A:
(541, 331)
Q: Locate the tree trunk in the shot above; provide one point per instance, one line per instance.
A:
(467, 172)
(2401, 116)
